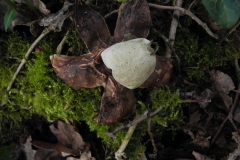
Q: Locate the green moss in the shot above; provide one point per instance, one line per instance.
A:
(196, 53)
(77, 45)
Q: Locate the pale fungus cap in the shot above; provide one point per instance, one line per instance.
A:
(131, 62)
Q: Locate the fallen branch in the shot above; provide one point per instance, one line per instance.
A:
(135, 121)
(186, 12)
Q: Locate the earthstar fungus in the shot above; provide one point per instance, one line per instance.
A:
(96, 69)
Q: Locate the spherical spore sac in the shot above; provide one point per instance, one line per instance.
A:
(131, 62)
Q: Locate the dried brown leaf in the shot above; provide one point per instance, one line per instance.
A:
(41, 6)
(68, 137)
(200, 156)
(43, 154)
(56, 20)
(27, 148)
(201, 141)
(222, 82)
(194, 118)
(206, 95)
(226, 99)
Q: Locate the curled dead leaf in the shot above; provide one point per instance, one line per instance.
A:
(41, 6)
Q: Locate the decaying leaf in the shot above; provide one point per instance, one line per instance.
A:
(67, 136)
(194, 118)
(236, 153)
(198, 139)
(70, 144)
(206, 95)
(41, 6)
(200, 156)
(56, 20)
(223, 84)
(27, 149)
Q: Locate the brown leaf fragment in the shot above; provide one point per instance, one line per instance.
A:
(222, 82)
(206, 96)
(68, 137)
(78, 71)
(201, 141)
(117, 101)
(133, 17)
(27, 148)
(43, 154)
(56, 20)
(226, 99)
(161, 74)
(92, 28)
(194, 118)
(41, 6)
(200, 156)
(61, 149)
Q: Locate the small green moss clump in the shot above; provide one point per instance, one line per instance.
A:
(197, 53)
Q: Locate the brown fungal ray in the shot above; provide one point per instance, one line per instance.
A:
(92, 28)
(161, 74)
(117, 101)
(78, 71)
(134, 18)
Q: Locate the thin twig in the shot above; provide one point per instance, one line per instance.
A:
(151, 138)
(60, 46)
(173, 28)
(119, 154)
(186, 12)
(135, 121)
(44, 33)
(173, 51)
(111, 13)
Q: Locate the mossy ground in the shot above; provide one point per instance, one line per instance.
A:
(38, 90)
